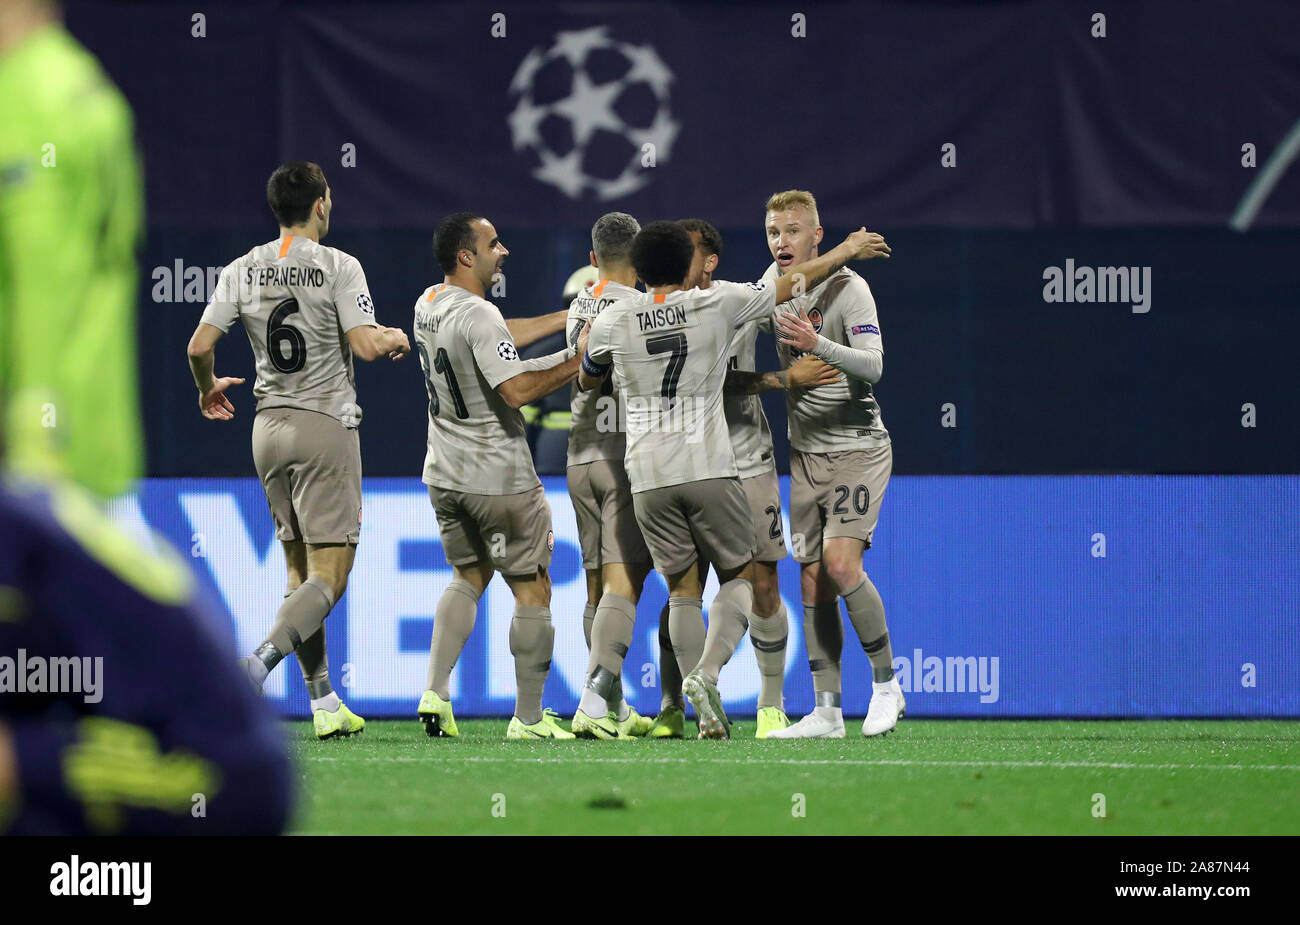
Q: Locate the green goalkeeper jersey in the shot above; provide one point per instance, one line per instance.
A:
(70, 213)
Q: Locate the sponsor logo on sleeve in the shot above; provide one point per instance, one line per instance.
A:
(507, 351)
(865, 329)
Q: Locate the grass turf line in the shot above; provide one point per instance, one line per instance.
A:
(928, 777)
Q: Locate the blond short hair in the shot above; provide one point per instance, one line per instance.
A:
(779, 202)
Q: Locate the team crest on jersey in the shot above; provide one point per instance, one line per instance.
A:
(507, 351)
(364, 303)
(815, 318)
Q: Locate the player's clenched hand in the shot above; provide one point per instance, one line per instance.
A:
(213, 403)
(809, 371)
(867, 244)
(796, 331)
(402, 346)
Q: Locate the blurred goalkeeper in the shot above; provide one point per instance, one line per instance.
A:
(103, 651)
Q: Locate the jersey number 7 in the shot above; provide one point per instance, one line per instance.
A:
(675, 344)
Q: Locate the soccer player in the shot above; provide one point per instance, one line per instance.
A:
(614, 554)
(491, 508)
(840, 461)
(70, 212)
(307, 311)
(669, 348)
(751, 440)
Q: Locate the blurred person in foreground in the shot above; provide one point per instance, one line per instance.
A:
(120, 709)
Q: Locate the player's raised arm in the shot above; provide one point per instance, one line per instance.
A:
(370, 343)
(367, 339)
(527, 387)
(497, 357)
(860, 245)
(807, 372)
(202, 349)
(527, 331)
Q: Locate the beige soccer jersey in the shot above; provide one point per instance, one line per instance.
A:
(843, 415)
(751, 438)
(596, 430)
(297, 299)
(477, 442)
(670, 354)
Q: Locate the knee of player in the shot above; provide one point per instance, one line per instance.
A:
(815, 583)
(766, 590)
(845, 571)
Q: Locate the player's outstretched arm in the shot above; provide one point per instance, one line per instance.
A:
(860, 245)
(527, 387)
(526, 331)
(807, 372)
(202, 349)
(369, 343)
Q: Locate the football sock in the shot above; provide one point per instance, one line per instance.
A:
(728, 623)
(300, 616)
(315, 665)
(769, 635)
(670, 676)
(824, 633)
(330, 703)
(588, 618)
(264, 658)
(532, 638)
(867, 612)
(453, 621)
(686, 628)
(616, 701)
(611, 633)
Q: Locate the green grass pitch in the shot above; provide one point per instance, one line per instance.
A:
(928, 777)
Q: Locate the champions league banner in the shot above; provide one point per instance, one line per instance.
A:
(990, 115)
(1080, 596)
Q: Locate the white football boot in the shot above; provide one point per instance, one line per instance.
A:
(812, 726)
(885, 710)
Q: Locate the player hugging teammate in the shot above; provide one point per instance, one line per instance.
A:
(840, 461)
(670, 460)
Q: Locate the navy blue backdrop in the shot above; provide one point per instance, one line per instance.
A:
(1164, 145)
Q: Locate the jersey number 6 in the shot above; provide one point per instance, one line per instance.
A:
(284, 342)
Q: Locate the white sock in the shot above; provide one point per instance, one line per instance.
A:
(330, 703)
(592, 704)
(833, 714)
(882, 687)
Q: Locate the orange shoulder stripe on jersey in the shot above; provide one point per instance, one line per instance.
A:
(284, 248)
(434, 291)
(597, 289)
(659, 299)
